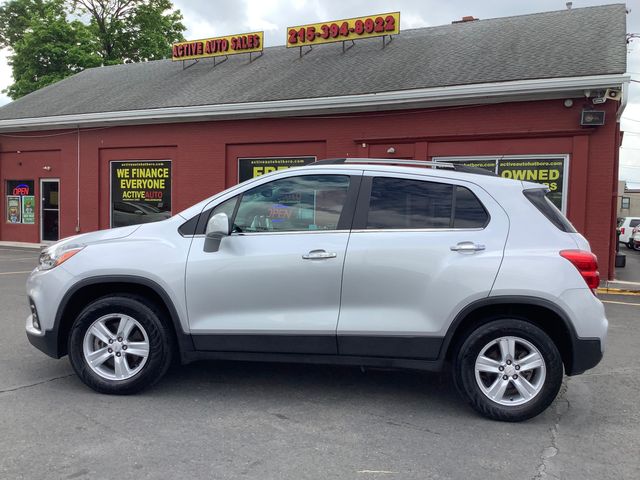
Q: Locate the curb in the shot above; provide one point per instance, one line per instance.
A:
(30, 246)
(618, 291)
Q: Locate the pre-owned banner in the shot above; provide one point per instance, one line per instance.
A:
(548, 171)
(489, 165)
(254, 167)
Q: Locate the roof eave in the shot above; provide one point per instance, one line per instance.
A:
(520, 90)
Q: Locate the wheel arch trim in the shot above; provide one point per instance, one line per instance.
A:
(454, 328)
(184, 342)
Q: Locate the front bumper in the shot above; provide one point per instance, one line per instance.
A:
(46, 341)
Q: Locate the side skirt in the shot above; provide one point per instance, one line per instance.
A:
(380, 362)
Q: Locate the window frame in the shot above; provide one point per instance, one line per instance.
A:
(628, 203)
(362, 207)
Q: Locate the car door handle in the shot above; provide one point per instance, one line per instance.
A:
(467, 247)
(319, 255)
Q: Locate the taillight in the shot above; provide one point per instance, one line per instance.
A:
(621, 230)
(587, 265)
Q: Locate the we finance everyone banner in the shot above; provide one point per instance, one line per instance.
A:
(140, 191)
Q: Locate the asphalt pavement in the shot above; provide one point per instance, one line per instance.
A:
(631, 271)
(222, 420)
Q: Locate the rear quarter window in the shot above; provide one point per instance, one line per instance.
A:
(539, 199)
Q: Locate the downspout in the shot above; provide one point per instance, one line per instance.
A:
(623, 100)
(78, 182)
(616, 169)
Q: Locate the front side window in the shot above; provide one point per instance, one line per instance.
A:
(398, 203)
(304, 203)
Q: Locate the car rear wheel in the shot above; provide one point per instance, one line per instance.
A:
(120, 345)
(509, 370)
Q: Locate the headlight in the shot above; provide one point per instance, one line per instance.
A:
(53, 256)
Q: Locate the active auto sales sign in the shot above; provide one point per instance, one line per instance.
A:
(218, 46)
(342, 30)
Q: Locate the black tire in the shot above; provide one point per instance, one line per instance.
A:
(159, 336)
(630, 244)
(471, 347)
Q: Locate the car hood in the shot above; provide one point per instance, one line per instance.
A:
(94, 237)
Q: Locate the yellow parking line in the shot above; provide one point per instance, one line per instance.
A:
(14, 273)
(620, 303)
(617, 291)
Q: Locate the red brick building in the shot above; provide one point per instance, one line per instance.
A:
(535, 96)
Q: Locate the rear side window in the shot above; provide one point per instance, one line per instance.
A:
(469, 211)
(398, 203)
(548, 209)
(634, 223)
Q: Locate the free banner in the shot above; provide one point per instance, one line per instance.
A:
(140, 192)
(249, 168)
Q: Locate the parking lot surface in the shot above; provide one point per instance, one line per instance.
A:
(272, 421)
(631, 271)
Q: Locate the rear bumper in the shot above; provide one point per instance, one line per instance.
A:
(586, 354)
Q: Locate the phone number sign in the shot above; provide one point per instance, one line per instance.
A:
(377, 25)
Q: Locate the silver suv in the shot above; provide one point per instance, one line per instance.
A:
(350, 261)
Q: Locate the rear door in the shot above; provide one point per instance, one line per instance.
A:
(420, 250)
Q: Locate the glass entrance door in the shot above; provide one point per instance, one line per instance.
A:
(50, 210)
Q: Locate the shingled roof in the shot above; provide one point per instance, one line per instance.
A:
(568, 43)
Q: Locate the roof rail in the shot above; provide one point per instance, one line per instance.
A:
(392, 161)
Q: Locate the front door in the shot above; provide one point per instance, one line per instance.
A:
(50, 210)
(274, 284)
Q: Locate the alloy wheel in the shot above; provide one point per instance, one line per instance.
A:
(510, 371)
(116, 347)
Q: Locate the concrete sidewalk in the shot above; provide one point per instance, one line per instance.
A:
(30, 246)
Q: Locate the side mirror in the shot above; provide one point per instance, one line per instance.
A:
(217, 228)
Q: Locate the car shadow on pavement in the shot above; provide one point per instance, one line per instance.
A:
(273, 382)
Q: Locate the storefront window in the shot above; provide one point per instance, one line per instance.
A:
(546, 169)
(20, 202)
(140, 192)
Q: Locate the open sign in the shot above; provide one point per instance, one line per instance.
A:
(21, 190)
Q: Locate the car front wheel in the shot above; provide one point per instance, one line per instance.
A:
(509, 370)
(120, 345)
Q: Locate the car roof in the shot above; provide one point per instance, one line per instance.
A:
(427, 171)
(488, 181)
